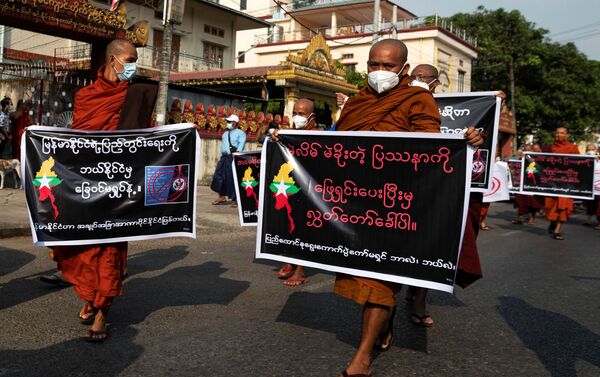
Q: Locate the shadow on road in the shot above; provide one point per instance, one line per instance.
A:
(193, 285)
(155, 259)
(23, 289)
(557, 340)
(75, 356)
(11, 260)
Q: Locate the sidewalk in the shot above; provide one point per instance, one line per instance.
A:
(14, 220)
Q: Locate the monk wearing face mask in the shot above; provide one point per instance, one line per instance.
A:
(111, 103)
(387, 103)
(559, 209)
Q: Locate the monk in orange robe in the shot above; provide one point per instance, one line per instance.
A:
(387, 103)
(96, 271)
(559, 209)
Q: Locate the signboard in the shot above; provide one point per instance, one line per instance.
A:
(366, 204)
(482, 111)
(89, 187)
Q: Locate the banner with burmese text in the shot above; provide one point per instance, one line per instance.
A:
(246, 175)
(553, 174)
(366, 204)
(90, 187)
(480, 110)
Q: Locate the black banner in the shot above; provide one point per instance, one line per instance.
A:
(366, 203)
(551, 174)
(87, 187)
(482, 111)
(514, 167)
(246, 173)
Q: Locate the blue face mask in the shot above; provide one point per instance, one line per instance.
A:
(128, 71)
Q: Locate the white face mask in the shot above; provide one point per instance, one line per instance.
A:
(229, 126)
(382, 81)
(591, 153)
(300, 121)
(420, 84)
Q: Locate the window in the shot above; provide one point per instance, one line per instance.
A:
(243, 5)
(213, 30)
(350, 68)
(241, 57)
(461, 81)
(347, 56)
(213, 52)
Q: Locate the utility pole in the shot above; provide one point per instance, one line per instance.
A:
(172, 14)
(376, 16)
(511, 73)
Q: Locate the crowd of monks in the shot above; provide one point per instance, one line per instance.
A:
(393, 100)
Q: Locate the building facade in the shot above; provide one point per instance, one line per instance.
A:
(349, 30)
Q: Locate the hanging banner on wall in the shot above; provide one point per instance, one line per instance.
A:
(552, 174)
(482, 111)
(88, 187)
(246, 175)
(366, 204)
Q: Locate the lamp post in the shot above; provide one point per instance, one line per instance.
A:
(172, 14)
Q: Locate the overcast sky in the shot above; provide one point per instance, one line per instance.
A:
(560, 17)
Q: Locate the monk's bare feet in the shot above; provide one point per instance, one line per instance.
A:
(359, 366)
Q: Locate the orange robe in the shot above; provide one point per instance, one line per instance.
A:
(559, 208)
(403, 108)
(96, 271)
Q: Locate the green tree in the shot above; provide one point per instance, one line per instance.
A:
(554, 85)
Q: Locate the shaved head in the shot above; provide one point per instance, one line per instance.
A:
(118, 47)
(425, 70)
(304, 106)
(388, 55)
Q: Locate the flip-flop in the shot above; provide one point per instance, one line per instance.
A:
(420, 320)
(485, 227)
(219, 202)
(389, 333)
(96, 336)
(295, 282)
(517, 222)
(345, 374)
(285, 271)
(87, 320)
(558, 236)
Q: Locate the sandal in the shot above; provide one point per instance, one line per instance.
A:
(484, 227)
(219, 202)
(345, 374)
(87, 317)
(295, 282)
(285, 271)
(388, 334)
(517, 222)
(418, 320)
(558, 236)
(96, 336)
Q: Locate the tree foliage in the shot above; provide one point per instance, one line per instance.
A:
(555, 85)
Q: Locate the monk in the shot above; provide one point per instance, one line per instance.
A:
(559, 209)
(96, 271)
(303, 116)
(21, 120)
(528, 204)
(387, 103)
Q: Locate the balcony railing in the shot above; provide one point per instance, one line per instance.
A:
(79, 57)
(149, 57)
(277, 34)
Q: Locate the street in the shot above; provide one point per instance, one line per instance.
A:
(205, 307)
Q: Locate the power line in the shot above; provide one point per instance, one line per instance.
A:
(574, 29)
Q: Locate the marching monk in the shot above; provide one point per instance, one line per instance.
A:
(303, 119)
(387, 103)
(559, 209)
(112, 102)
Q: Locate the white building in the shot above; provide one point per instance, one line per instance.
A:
(348, 28)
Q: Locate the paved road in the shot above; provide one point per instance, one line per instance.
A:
(205, 308)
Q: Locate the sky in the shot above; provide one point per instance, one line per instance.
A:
(559, 17)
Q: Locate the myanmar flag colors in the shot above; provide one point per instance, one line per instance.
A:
(283, 186)
(45, 180)
(248, 182)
